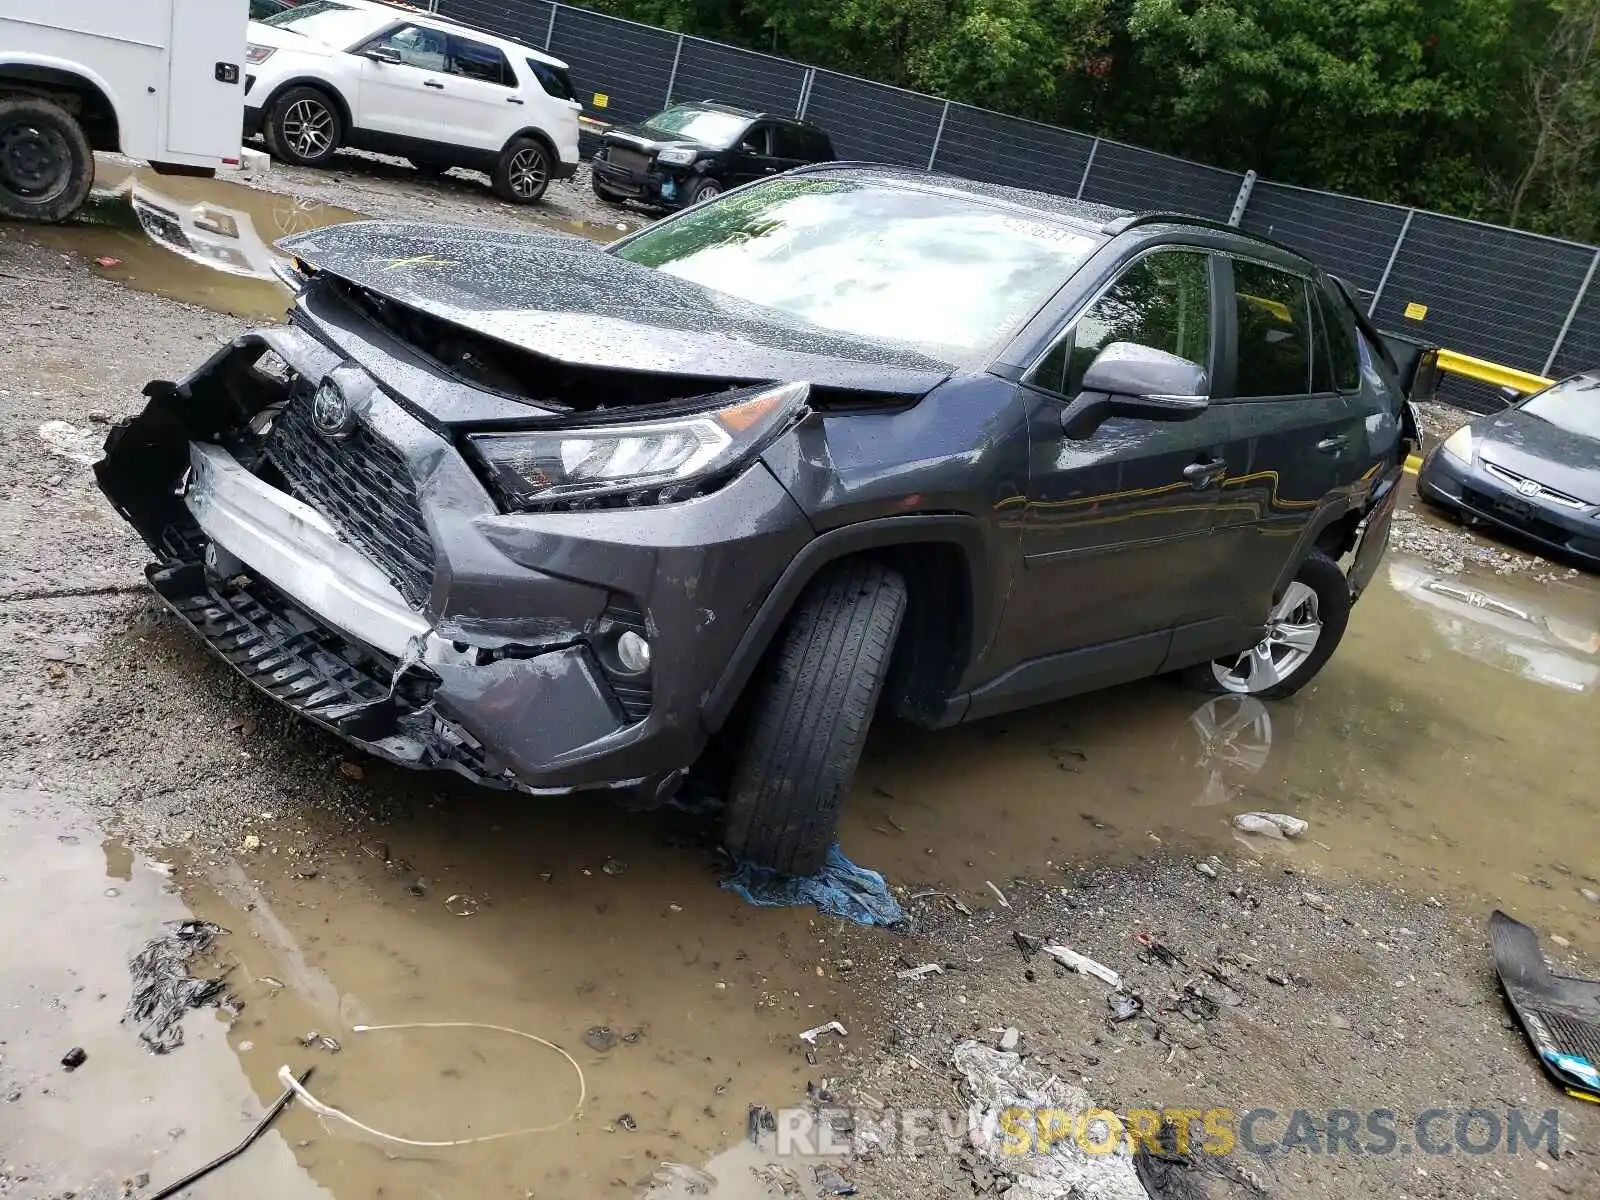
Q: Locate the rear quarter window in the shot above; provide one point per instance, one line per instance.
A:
(554, 80)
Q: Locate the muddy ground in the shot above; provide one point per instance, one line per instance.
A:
(1444, 761)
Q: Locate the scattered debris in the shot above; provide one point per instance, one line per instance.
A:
(1195, 1004)
(1589, 894)
(1004, 903)
(1315, 901)
(1166, 1173)
(1125, 1006)
(162, 988)
(74, 1058)
(692, 1180)
(1009, 1039)
(1277, 975)
(351, 770)
(811, 1035)
(1559, 1014)
(1206, 869)
(460, 905)
(250, 844)
(599, 1038)
(613, 866)
(932, 968)
(1270, 824)
(840, 889)
(758, 1119)
(65, 440)
(271, 1115)
(626, 1123)
(1084, 965)
(830, 1182)
(321, 1041)
(1028, 945)
(105, 260)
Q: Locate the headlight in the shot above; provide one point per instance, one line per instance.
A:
(256, 55)
(640, 462)
(1459, 445)
(676, 156)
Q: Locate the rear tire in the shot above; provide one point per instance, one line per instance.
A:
(46, 165)
(303, 127)
(523, 172)
(1288, 658)
(811, 707)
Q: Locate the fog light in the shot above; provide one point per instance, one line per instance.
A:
(633, 652)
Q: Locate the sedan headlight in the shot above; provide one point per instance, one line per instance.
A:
(638, 462)
(676, 156)
(1459, 445)
(255, 54)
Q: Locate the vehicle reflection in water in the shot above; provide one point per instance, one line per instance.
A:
(1507, 632)
(1235, 734)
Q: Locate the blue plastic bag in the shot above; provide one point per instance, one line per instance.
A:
(840, 889)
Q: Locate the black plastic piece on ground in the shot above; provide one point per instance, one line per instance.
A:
(193, 1177)
(162, 987)
(1560, 1015)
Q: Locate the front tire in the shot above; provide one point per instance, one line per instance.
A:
(46, 165)
(523, 172)
(703, 190)
(304, 127)
(811, 707)
(1303, 630)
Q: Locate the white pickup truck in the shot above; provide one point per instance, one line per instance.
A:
(159, 80)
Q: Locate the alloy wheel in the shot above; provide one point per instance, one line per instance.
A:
(35, 162)
(528, 173)
(1293, 631)
(308, 128)
(707, 191)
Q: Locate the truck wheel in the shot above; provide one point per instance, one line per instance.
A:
(1303, 631)
(812, 705)
(46, 165)
(523, 172)
(304, 127)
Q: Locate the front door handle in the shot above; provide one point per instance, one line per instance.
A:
(1334, 444)
(513, 99)
(433, 84)
(1205, 473)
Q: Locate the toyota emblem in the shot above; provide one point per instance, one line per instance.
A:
(331, 413)
(1528, 487)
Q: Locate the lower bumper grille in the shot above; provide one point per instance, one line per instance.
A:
(363, 487)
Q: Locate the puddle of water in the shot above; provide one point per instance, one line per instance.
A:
(76, 908)
(1447, 746)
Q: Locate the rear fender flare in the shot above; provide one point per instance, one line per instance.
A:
(880, 534)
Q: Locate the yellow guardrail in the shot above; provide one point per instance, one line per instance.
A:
(1490, 372)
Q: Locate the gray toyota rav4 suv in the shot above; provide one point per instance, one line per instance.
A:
(848, 443)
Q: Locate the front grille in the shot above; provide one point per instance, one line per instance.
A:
(362, 486)
(1540, 490)
(628, 160)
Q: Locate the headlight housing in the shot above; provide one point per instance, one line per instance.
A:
(1459, 445)
(676, 156)
(256, 54)
(637, 462)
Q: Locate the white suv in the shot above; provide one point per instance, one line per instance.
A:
(333, 73)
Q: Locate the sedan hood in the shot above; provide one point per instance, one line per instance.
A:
(1531, 446)
(560, 298)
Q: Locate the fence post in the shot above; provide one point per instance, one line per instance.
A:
(1242, 200)
(1383, 281)
(550, 30)
(1583, 290)
(672, 78)
(938, 134)
(1088, 165)
(805, 93)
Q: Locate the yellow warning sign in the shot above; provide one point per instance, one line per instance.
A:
(1414, 311)
(601, 100)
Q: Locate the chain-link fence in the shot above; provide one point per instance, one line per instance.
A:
(1496, 293)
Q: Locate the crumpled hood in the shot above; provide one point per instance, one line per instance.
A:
(1531, 446)
(638, 137)
(567, 299)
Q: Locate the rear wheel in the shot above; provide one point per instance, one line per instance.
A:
(46, 165)
(523, 172)
(811, 707)
(304, 127)
(1303, 631)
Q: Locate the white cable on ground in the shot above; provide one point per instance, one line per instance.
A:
(286, 1077)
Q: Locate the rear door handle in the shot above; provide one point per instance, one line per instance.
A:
(433, 84)
(1333, 445)
(1205, 473)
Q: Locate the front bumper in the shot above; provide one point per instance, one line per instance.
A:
(372, 585)
(1481, 497)
(659, 186)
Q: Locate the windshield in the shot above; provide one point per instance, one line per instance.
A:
(718, 129)
(333, 24)
(950, 275)
(1572, 405)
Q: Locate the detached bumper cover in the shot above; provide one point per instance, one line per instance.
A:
(488, 657)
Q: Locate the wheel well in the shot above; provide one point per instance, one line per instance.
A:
(318, 85)
(936, 635)
(538, 135)
(1339, 538)
(83, 99)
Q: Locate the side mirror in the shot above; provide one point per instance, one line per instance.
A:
(383, 54)
(1128, 380)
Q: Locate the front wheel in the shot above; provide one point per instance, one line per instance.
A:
(46, 166)
(811, 707)
(523, 172)
(1303, 630)
(703, 190)
(304, 127)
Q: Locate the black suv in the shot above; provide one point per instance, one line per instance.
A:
(857, 440)
(693, 152)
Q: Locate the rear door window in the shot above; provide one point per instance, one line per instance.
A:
(480, 61)
(1343, 333)
(1274, 331)
(1162, 301)
(789, 141)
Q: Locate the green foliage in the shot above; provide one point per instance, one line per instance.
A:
(1488, 108)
